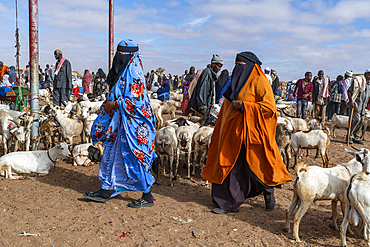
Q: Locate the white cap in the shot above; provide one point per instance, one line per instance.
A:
(268, 69)
(368, 70)
(349, 72)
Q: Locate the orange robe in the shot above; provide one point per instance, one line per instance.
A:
(2, 72)
(256, 127)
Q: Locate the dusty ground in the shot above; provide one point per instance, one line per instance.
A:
(54, 207)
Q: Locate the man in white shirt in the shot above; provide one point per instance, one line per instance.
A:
(267, 74)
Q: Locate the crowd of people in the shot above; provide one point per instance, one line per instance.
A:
(346, 95)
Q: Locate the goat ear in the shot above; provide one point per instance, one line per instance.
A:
(358, 158)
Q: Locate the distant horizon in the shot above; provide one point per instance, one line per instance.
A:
(291, 37)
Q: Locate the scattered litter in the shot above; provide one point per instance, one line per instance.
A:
(29, 234)
(191, 228)
(155, 199)
(115, 207)
(150, 234)
(197, 233)
(9, 191)
(125, 222)
(124, 234)
(89, 164)
(235, 230)
(367, 133)
(182, 221)
(250, 241)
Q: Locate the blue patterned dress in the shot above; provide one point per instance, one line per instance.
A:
(128, 133)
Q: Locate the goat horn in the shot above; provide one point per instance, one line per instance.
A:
(18, 124)
(357, 149)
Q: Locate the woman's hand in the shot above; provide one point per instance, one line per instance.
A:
(108, 106)
(237, 104)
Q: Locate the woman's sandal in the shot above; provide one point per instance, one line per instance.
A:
(98, 196)
(140, 203)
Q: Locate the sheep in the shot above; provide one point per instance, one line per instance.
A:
(84, 154)
(32, 161)
(166, 145)
(156, 104)
(313, 139)
(10, 128)
(178, 121)
(95, 106)
(201, 141)
(194, 119)
(288, 124)
(184, 136)
(298, 124)
(48, 129)
(283, 138)
(358, 198)
(176, 96)
(339, 121)
(316, 183)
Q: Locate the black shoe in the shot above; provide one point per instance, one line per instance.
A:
(140, 203)
(98, 196)
(269, 201)
(358, 142)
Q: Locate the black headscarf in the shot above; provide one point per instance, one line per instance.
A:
(190, 76)
(101, 73)
(241, 74)
(120, 62)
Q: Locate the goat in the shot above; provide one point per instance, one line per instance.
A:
(316, 183)
(339, 121)
(32, 161)
(167, 107)
(10, 128)
(166, 145)
(68, 127)
(282, 138)
(358, 206)
(184, 136)
(84, 154)
(88, 120)
(95, 106)
(201, 140)
(313, 139)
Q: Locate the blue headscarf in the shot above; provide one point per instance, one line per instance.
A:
(12, 75)
(134, 120)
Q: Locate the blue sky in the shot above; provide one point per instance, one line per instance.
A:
(291, 37)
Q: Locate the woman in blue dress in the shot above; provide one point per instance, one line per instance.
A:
(126, 126)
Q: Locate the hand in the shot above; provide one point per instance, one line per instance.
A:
(204, 111)
(70, 88)
(305, 95)
(237, 104)
(108, 106)
(351, 104)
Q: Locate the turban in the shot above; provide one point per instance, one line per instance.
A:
(367, 71)
(349, 73)
(59, 51)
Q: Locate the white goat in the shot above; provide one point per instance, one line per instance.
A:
(81, 155)
(32, 161)
(69, 127)
(358, 206)
(10, 128)
(316, 183)
(166, 145)
(88, 120)
(95, 106)
(339, 121)
(184, 136)
(313, 139)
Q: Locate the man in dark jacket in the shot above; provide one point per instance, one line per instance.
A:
(62, 80)
(202, 98)
(320, 95)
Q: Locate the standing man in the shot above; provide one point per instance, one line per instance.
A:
(275, 81)
(46, 73)
(358, 96)
(320, 95)
(303, 90)
(344, 110)
(203, 95)
(243, 158)
(63, 79)
(267, 74)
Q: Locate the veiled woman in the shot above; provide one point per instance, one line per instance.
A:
(243, 158)
(86, 80)
(126, 125)
(100, 84)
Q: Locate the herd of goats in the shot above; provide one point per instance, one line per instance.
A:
(348, 183)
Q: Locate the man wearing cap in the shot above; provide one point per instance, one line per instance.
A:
(344, 110)
(358, 97)
(267, 74)
(203, 95)
(62, 79)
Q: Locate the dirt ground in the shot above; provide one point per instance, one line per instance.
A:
(54, 207)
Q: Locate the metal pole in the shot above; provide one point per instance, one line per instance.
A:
(34, 69)
(111, 32)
